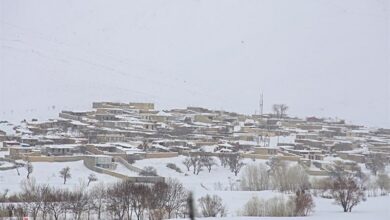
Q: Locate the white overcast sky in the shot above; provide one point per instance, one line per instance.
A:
(322, 57)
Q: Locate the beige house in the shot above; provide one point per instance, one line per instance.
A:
(60, 150)
(18, 152)
(266, 150)
(104, 138)
(142, 105)
(204, 118)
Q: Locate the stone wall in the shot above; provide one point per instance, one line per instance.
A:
(161, 155)
(53, 158)
(127, 165)
(136, 179)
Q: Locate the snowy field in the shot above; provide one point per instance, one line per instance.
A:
(48, 173)
(373, 209)
(219, 181)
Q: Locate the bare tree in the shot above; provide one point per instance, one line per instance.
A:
(383, 182)
(144, 146)
(187, 163)
(346, 187)
(31, 197)
(139, 199)
(78, 202)
(303, 203)
(98, 199)
(174, 197)
(280, 110)
(57, 202)
(157, 201)
(117, 200)
(3, 196)
(212, 206)
(196, 163)
(17, 169)
(65, 174)
(278, 173)
(235, 163)
(275, 163)
(375, 162)
(223, 158)
(45, 198)
(29, 168)
(91, 178)
(208, 162)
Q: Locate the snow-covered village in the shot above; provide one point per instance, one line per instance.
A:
(194, 109)
(81, 164)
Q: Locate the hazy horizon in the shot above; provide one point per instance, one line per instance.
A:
(321, 58)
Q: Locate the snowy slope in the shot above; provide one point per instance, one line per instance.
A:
(205, 183)
(66, 54)
(374, 208)
(48, 173)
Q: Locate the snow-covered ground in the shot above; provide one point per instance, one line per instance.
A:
(5, 164)
(48, 173)
(219, 181)
(120, 168)
(376, 208)
(205, 181)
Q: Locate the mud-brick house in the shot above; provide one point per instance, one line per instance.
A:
(106, 117)
(60, 150)
(266, 150)
(74, 115)
(142, 105)
(104, 138)
(359, 158)
(204, 118)
(18, 152)
(31, 141)
(343, 146)
(3, 135)
(10, 144)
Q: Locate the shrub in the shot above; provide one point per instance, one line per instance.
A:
(255, 178)
(211, 206)
(303, 203)
(174, 167)
(148, 171)
(383, 182)
(275, 207)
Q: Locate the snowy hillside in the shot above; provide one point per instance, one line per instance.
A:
(219, 181)
(219, 54)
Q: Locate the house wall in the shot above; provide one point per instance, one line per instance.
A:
(142, 106)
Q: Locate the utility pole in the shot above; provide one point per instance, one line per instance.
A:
(261, 104)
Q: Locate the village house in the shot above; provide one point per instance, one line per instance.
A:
(266, 150)
(106, 117)
(3, 136)
(141, 105)
(11, 144)
(60, 150)
(16, 153)
(104, 138)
